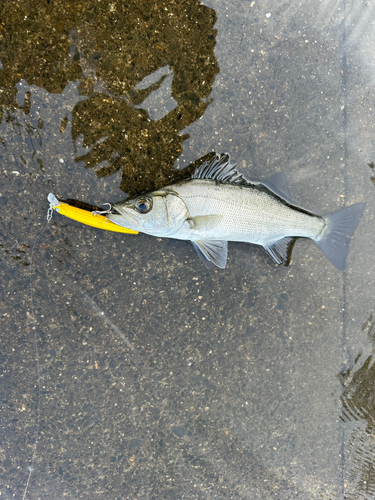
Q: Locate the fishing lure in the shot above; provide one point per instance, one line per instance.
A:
(90, 218)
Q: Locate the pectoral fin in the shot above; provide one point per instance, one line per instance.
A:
(281, 251)
(204, 222)
(212, 252)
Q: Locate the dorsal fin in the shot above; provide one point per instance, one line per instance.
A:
(278, 184)
(220, 169)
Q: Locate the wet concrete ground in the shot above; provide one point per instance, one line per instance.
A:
(160, 379)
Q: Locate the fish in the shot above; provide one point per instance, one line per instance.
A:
(218, 204)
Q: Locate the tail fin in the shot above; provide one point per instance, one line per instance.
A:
(336, 236)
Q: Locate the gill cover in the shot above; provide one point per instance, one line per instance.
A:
(160, 213)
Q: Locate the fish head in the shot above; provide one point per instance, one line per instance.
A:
(159, 213)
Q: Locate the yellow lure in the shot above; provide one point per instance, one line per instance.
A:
(86, 217)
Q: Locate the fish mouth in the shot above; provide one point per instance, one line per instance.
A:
(124, 217)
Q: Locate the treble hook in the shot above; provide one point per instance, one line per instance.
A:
(101, 212)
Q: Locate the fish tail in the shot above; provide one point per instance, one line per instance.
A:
(340, 227)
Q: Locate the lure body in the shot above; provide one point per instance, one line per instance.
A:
(86, 217)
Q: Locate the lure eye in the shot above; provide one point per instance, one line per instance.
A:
(143, 205)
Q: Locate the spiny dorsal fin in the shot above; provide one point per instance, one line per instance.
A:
(220, 169)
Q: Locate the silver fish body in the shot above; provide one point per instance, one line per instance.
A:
(218, 205)
(238, 213)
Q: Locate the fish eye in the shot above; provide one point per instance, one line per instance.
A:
(143, 205)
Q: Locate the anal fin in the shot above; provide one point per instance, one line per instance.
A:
(281, 250)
